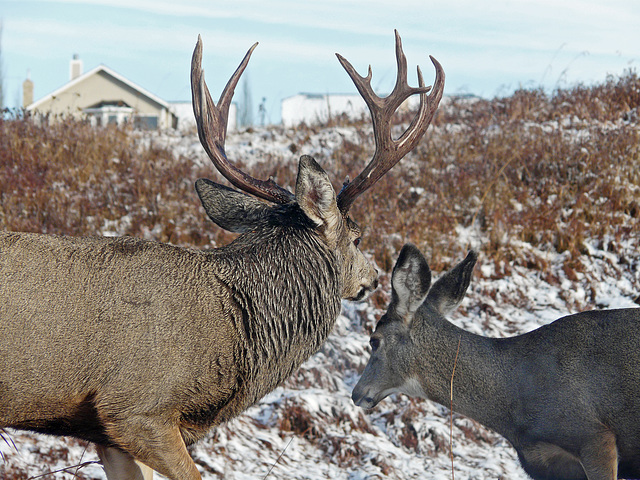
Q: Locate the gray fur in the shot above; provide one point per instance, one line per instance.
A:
(229, 209)
(565, 395)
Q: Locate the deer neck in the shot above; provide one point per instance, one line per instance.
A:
(286, 287)
(464, 370)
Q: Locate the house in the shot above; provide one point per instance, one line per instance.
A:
(105, 97)
(313, 108)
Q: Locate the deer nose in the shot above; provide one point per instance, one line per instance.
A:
(360, 398)
(363, 401)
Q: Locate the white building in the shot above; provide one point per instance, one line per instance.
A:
(313, 108)
(317, 108)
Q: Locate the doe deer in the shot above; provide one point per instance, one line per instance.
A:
(142, 347)
(565, 395)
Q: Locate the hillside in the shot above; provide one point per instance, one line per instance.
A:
(545, 187)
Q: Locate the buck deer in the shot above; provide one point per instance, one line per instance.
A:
(565, 395)
(142, 347)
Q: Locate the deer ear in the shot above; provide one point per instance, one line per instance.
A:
(449, 290)
(410, 281)
(228, 208)
(316, 197)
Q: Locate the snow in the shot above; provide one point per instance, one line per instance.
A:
(309, 428)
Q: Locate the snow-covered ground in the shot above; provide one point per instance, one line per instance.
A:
(309, 428)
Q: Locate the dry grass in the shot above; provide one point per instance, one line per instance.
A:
(66, 177)
(549, 170)
(546, 170)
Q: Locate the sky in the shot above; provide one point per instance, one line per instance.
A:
(487, 48)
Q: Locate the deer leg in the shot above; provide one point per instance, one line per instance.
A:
(161, 448)
(599, 457)
(546, 460)
(119, 465)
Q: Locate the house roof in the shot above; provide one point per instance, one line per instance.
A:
(94, 71)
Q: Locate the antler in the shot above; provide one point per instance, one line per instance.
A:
(212, 130)
(389, 151)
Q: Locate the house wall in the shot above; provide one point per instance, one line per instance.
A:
(311, 109)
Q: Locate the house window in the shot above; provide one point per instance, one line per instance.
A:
(146, 122)
(109, 113)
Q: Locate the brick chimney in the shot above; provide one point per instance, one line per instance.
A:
(75, 67)
(27, 91)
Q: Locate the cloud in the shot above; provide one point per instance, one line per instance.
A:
(581, 25)
(482, 45)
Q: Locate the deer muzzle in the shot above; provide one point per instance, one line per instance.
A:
(364, 397)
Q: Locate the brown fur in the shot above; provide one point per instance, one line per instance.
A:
(143, 346)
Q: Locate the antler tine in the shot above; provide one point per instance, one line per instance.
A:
(389, 151)
(212, 130)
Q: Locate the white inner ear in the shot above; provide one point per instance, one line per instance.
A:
(319, 200)
(409, 288)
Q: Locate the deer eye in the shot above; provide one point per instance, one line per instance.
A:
(375, 343)
(356, 242)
